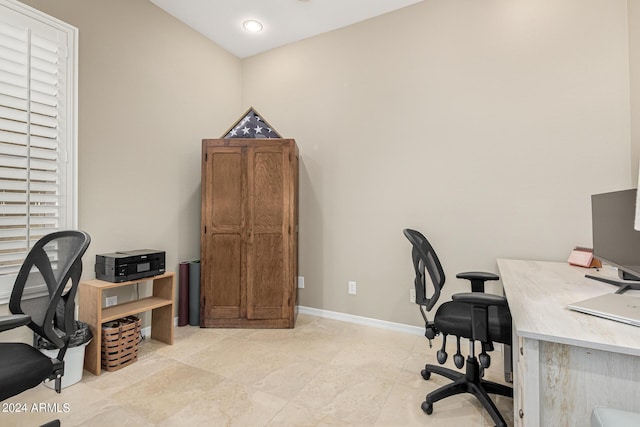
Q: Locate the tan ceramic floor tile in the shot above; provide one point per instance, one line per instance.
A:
(44, 404)
(380, 361)
(26, 416)
(198, 340)
(308, 342)
(287, 380)
(108, 383)
(402, 408)
(159, 396)
(321, 373)
(240, 360)
(228, 404)
(316, 349)
(298, 415)
(106, 413)
(304, 320)
(347, 395)
(367, 335)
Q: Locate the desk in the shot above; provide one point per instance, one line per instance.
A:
(566, 362)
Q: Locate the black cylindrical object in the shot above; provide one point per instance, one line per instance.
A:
(194, 293)
(183, 295)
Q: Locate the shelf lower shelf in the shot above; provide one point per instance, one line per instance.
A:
(133, 307)
(160, 306)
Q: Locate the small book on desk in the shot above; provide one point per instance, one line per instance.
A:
(621, 308)
(583, 257)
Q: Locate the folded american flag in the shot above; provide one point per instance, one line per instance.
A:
(251, 125)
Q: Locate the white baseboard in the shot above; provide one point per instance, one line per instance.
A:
(366, 321)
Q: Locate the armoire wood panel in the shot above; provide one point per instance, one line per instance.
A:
(249, 233)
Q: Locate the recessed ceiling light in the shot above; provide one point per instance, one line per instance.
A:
(252, 25)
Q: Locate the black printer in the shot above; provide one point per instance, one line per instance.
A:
(129, 265)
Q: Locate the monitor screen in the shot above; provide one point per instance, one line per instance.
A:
(615, 240)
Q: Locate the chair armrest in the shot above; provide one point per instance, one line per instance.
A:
(481, 299)
(13, 321)
(477, 279)
(481, 275)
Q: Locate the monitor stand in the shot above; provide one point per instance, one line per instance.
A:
(622, 284)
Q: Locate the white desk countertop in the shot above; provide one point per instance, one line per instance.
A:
(539, 292)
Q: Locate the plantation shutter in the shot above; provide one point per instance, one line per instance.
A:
(37, 133)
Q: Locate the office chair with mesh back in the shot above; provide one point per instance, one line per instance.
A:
(53, 266)
(475, 316)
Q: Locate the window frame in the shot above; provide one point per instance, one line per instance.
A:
(68, 147)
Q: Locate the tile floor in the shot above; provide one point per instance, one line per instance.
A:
(324, 372)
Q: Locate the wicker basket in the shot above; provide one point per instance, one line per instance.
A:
(120, 340)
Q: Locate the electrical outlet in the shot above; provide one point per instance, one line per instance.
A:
(300, 282)
(111, 301)
(412, 295)
(352, 288)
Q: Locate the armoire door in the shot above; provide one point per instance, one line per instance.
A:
(223, 243)
(269, 280)
(249, 233)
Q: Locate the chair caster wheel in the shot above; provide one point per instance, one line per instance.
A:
(425, 374)
(427, 407)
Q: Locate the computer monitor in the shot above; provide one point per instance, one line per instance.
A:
(615, 240)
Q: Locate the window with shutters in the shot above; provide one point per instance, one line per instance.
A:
(38, 132)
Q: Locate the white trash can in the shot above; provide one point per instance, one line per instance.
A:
(73, 365)
(73, 358)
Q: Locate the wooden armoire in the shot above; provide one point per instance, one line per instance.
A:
(249, 233)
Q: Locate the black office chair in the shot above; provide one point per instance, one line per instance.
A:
(476, 316)
(55, 265)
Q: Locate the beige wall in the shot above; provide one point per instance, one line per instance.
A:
(150, 89)
(486, 125)
(634, 73)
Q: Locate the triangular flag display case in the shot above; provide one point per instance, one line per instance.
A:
(249, 229)
(251, 125)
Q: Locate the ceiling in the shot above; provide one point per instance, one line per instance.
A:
(284, 21)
